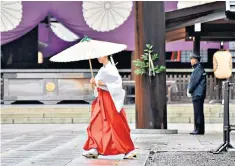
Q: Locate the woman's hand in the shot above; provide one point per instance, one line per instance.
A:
(92, 81)
(100, 83)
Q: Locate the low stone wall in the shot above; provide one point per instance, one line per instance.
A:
(36, 114)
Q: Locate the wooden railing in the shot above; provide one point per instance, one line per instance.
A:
(213, 87)
(129, 86)
(177, 82)
(182, 81)
(178, 93)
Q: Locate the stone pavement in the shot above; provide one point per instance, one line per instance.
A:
(61, 145)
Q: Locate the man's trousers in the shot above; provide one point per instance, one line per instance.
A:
(199, 123)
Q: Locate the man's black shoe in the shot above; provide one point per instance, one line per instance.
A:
(197, 133)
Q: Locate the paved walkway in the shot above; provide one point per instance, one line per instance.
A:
(61, 145)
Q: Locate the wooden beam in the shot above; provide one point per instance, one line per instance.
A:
(223, 21)
(196, 46)
(150, 98)
(212, 27)
(217, 39)
(214, 32)
(195, 10)
(177, 34)
(191, 21)
(215, 36)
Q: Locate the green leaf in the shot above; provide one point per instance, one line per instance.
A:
(143, 63)
(155, 57)
(139, 71)
(163, 68)
(160, 70)
(135, 61)
(145, 57)
(139, 63)
(146, 65)
(148, 46)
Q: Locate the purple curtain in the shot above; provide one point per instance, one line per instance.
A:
(170, 5)
(54, 43)
(69, 14)
(33, 13)
(188, 45)
(73, 20)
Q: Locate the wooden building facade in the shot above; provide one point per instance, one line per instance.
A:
(180, 25)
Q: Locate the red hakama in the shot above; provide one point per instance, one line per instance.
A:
(108, 131)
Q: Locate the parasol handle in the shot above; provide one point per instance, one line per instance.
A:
(92, 74)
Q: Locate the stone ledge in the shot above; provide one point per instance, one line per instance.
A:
(32, 114)
(154, 131)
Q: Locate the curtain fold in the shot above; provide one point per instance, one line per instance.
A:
(70, 15)
(33, 13)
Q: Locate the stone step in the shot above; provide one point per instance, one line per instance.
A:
(179, 108)
(87, 114)
(44, 120)
(46, 115)
(176, 113)
(191, 120)
(87, 120)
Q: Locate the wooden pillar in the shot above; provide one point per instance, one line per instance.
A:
(132, 66)
(150, 92)
(196, 45)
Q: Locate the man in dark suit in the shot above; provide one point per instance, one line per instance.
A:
(197, 90)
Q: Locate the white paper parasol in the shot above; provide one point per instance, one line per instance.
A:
(11, 15)
(104, 16)
(187, 4)
(63, 33)
(88, 49)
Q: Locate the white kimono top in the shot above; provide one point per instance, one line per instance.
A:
(109, 75)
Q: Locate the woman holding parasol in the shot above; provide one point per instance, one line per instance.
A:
(108, 131)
